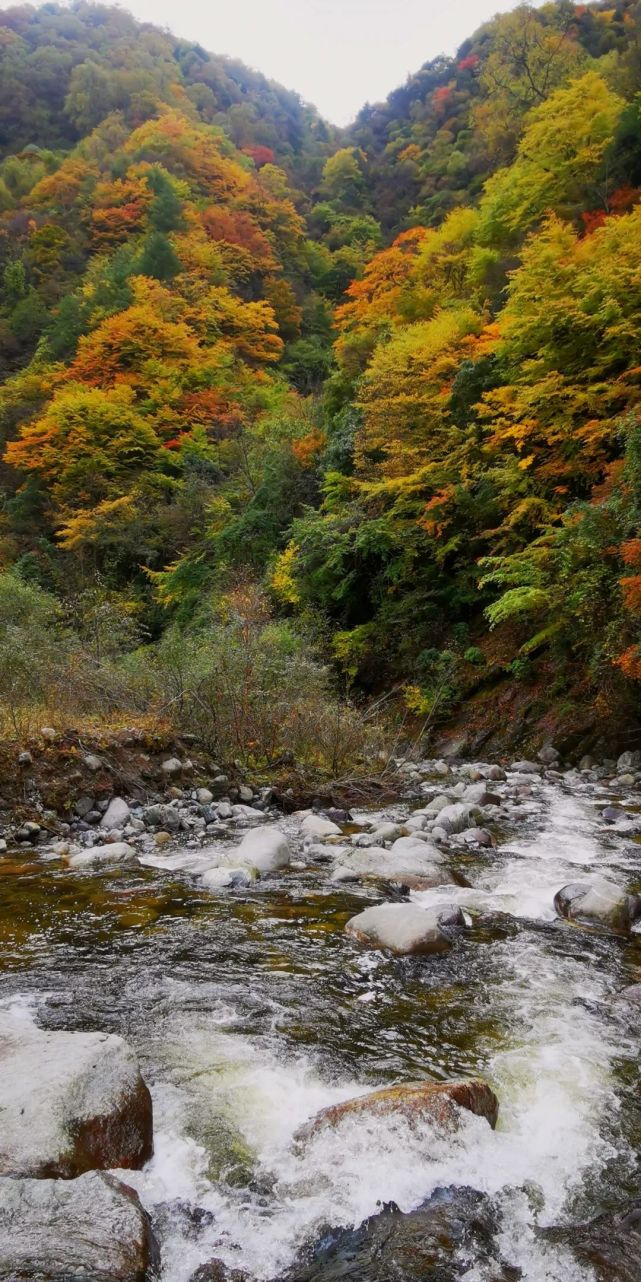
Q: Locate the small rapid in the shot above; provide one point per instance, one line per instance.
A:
(251, 1011)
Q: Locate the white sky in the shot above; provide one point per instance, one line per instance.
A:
(337, 54)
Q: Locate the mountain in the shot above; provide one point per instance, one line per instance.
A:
(368, 399)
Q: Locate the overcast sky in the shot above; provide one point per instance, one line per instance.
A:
(337, 54)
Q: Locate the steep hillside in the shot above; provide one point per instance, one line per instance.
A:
(369, 400)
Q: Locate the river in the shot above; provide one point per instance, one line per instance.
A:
(251, 1010)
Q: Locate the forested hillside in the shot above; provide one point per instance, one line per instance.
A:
(291, 412)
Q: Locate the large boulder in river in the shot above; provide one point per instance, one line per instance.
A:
(436, 1242)
(92, 1229)
(401, 929)
(608, 1249)
(414, 1102)
(419, 866)
(598, 903)
(266, 849)
(69, 1103)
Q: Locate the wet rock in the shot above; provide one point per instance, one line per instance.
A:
(587, 762)
(339, 816)
(608, 1248)
(70, 1102)
(263, 849)
(597, 903)
(92, 1229)
(116, 814)
(476, 837)
(162, 816)
(401, 929)
(216, 1271)
(112, 852)
(631, 996)
(226, 878)
(613, 814)
(418, 866)
(415, 1102)
(429, 1243)
(316, 826)
(458, 817)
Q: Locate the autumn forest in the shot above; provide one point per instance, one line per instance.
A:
(296, 420)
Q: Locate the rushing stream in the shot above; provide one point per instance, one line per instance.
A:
(251, 1009)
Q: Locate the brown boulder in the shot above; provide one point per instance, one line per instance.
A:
(414, 1102)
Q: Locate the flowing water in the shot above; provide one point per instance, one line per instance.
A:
(251, 1010)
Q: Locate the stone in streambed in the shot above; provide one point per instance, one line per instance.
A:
(402, 929)
(226, 878)
(431, 1242)
(458, 817)
(316, 826)
(264, 849)
(216, 1271)
(70, 1103)
(414, 1102)
(91, 1229)
(112, 852)
(597, 903)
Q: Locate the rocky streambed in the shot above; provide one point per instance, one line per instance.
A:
(381, 1046)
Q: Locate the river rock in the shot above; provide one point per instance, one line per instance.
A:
(548, 755)
(316, 826)
(116, 814)
(526, 767)
(432, 1242)
(629, 761)
(480, 795)
(419, 868)
(69, 1103)
(413, 1101)
(216, 1271)
(597, 903)
(437, 804)
(91, 1229)
(265, 849)
(226, 878)
(458, 817)
(112, 852)
(608, 1248)
(400, 928)
(162, 816)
